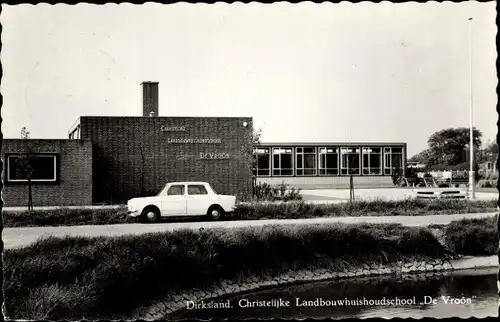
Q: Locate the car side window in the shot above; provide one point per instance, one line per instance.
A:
(175, 191)
(197, 190)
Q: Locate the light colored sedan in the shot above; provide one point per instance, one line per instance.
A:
(182, 199)
(441, 193)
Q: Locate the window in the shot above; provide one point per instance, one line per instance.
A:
(393, 159)
(328, 161)
(350, 162)
(197, 190)
(177, 190)
(372, 161)
(262, 162)
(75, 134)
(282, 161)
(306, 161)
(43, 168)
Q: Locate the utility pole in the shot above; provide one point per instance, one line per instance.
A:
(472, 179)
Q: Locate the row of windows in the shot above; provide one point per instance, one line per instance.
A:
(311, 161)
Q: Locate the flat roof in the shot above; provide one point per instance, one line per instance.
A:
(170, 117)
(299, 144)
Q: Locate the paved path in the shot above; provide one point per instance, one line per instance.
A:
(370, 194)
(18, 237)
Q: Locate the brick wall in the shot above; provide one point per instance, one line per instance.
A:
(131, 150)
(75, 174)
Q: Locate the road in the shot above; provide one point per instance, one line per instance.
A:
(23, 236)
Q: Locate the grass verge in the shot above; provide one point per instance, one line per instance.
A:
(406, 207)
(66, 217)
(103, 278)
(475, 237)
(254, 211)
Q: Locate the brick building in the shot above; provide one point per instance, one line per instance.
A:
(62, 176)
(136, 156)
(112, 159)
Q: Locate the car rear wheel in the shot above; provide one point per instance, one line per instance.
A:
(215, 213)
(150, 215)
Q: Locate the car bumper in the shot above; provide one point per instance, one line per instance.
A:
(133, 213)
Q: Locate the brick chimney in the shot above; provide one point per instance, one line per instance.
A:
(149, 99)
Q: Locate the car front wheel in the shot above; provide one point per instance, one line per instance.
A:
(215, 213)
(150, 215)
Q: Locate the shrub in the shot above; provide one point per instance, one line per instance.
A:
(397, 176)
(487, 184)
(267, 192)
(72, 277)
(473, 237)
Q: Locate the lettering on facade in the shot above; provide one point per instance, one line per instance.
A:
(165, 128)
(194, 141)
(214, 156)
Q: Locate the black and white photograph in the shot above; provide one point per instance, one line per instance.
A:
(249, 161)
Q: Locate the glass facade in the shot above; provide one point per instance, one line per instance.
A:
(306, 161)
(75, 134)
(328, 161)
(393, 159)
(350, 161)
(373, 160)
(262, 162)
(283, 162)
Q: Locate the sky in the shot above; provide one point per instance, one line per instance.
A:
(305, 72)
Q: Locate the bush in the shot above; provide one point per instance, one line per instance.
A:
(487, 184)
(397, 176)
(267, 192)
(106, 278)
(473, 237)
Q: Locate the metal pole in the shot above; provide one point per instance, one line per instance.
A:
(472, 183)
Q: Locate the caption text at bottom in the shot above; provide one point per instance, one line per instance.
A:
(320, 302)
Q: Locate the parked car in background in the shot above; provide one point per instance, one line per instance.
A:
(441, 193)
(182, 199)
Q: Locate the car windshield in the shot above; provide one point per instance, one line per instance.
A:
(163, 191)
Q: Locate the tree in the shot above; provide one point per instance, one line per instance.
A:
(422, 157)
(397, 176)
(24, 164)
(250, 156)
(447, 147)
(488, 154)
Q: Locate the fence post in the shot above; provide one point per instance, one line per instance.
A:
(351, 188)
(254, 183)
